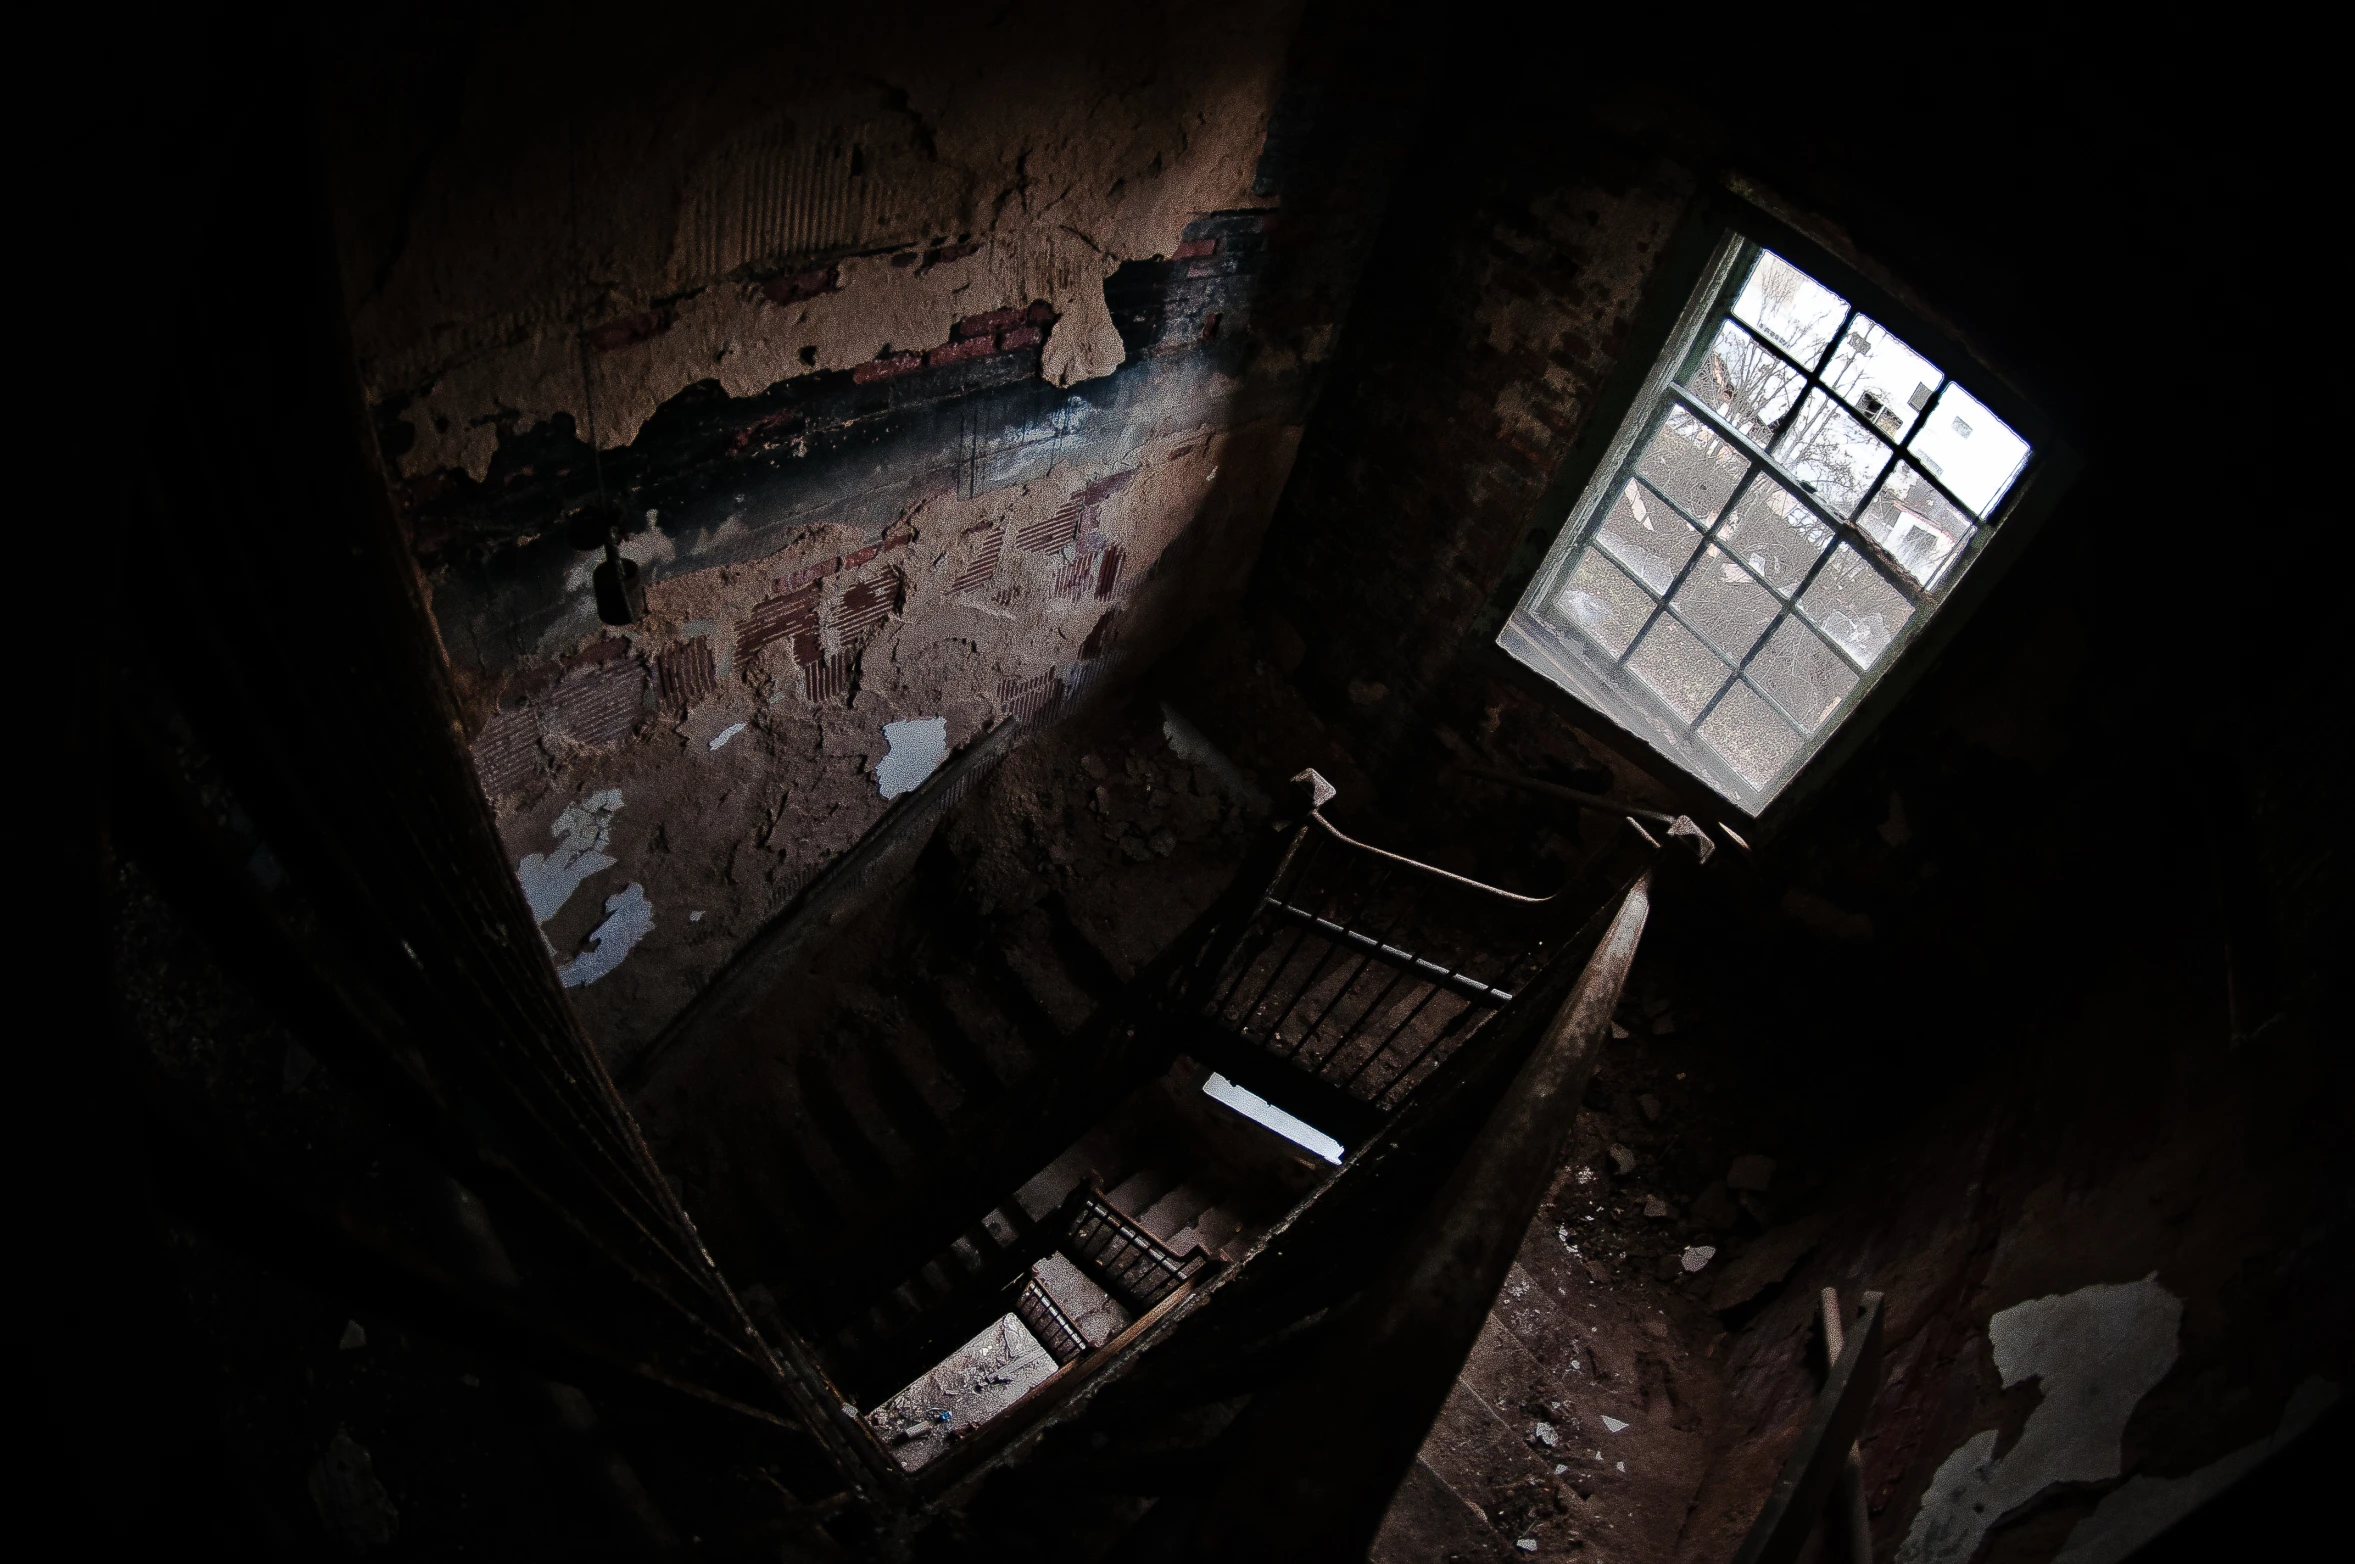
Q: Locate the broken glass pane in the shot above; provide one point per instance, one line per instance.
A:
(1679, 669)
(1744, 384)
(1751, 736)
(1852, 605)
(1828, 450)
(1687, 462)
(1725, 604)
(1790, 308)
(1647, 537)
(1882, 378)
(1800, 674)
(1921, 528)
(1779, 536)
(1969, 449)
(1605, 606)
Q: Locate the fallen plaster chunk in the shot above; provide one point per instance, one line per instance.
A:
(1615, 1425)
(2138, 1510)
(1622, 1466)
(629, 918)
(918, 746)
(1527, 1544)
(726, 733)
(696, 916)
(2095, 1353)
(1544, 1434)
(1699, 1255)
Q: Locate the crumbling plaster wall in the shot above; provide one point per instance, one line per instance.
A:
(940, 364)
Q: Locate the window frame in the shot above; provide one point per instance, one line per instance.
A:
(1673, 331)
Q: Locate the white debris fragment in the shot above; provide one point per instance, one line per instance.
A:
(1698, 1255)
(1544, 1434)
(918, 746)
(1527, 1544)
(1623, 1466)
(354, 1337)
(1615, 1425)
(1559, 1468)
(583, 831)
(726, 733)
(696, 916)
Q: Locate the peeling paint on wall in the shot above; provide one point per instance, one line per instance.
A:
(917, 747)
(2138, 1510)
(629, 918)
(583, 832)
(2095, 1353)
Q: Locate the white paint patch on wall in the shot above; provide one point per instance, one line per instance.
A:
(918, 746)
(2095, 1353)
(2135, 1512)
(726, 733)
(629, 918)
(583, 833)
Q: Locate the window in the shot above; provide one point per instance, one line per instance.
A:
(1795, 493)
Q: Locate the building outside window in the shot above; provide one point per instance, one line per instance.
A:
(1795, 493)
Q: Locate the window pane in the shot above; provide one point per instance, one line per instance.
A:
(1801, 674)
(1851, 604)
(1744, 384)
(1648, 538)
(1778, 536)
(1751, 735)
(1969, 449)
(1834, 455)
(1691, 465)
(1679, 669)
(1603, 603)
(1725, 604)
(1882, 378)
(1921, 528)
(1791, 308)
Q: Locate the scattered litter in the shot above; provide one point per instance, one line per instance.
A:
(1559, 1469)
(1623, 1466)
(1624, 1159)
(1585, 1176)
(1654, 1206)
(696, 916)
(354, 1337)
(726, 733)
(1527, 1544)
(1650, 1104)
(1699, 1255)
(1751, 1172)
(1543, 1433)
(1615, 1425)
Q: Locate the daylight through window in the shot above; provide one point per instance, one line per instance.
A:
(1791, 498)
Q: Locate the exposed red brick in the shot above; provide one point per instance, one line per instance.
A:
(1020, 337)
(634, 328)
(686, 672)
(597, 704)
(829, 680)
(507, 751)
(1108, 571)
(957, 352)
(793, 287)
(987, 324)
(884, 368)
(867, 604)
(1025, 699)
(985, 543)
(789, 614)
(1194, 247)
